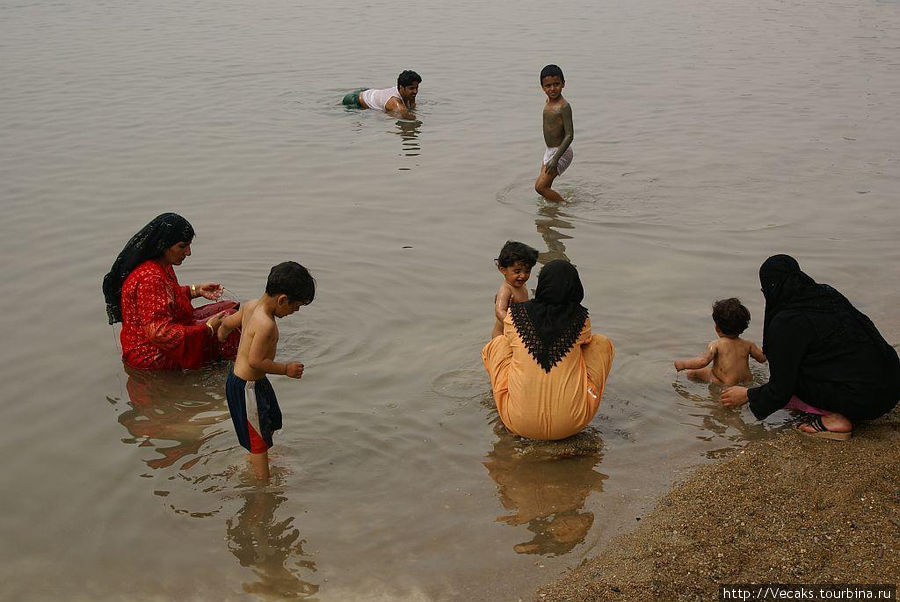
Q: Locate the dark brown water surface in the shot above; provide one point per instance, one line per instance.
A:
(708, 135)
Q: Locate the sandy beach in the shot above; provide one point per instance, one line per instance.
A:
(793, 509)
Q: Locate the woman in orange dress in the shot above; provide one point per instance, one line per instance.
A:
(161, 330)
(547, 369)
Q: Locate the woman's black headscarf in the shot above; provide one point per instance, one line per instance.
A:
(152, 241)
(786, 287)
(550, 323)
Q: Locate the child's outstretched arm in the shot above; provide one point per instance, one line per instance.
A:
(695, 363)
(501, 302)
(757, 353)
(230, 323)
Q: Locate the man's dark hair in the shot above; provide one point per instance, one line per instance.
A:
(291, 279)
(408, 78)
(730, 316)
(552, 71)
(516, 252)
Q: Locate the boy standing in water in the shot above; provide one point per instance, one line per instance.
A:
(515, 262)
(251, 399)
(558, 133)
(729, 353)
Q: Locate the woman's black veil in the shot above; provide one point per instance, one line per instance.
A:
(152, 241)
(550, 323)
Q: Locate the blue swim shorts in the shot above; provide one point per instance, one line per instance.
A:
(254, 411)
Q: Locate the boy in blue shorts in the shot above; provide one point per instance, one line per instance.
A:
(251, 399)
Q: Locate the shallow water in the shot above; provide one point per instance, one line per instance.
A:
(708, 136)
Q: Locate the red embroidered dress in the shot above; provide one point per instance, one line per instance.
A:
(160, 330)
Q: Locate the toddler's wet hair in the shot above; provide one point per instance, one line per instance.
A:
(291, 279)
(516, 252)
(730, 316)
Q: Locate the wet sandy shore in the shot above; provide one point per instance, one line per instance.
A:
(792, 509)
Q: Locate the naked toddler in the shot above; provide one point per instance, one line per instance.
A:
(729, 353)
(515, 262)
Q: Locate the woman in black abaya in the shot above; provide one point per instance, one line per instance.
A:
(826, 358)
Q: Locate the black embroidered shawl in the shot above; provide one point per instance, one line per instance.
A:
(550, 323)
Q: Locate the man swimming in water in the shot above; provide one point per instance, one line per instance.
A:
(398, 101)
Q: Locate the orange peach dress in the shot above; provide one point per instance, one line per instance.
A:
(547, 405)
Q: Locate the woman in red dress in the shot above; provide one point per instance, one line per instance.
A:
(161, 330)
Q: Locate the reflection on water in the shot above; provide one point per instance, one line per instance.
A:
(409, 134)
(549, 222)
(175, 414)
(270, 547)
(717, 421)
(544, 485)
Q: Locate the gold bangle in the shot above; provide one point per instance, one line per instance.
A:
(193, 291)
(212, 330)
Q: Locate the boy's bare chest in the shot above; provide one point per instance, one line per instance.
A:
(553, 116)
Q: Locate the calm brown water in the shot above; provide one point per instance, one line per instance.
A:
(708, 136)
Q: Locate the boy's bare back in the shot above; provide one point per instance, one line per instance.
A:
(730, 357)
(257, 328)
(731, 364)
